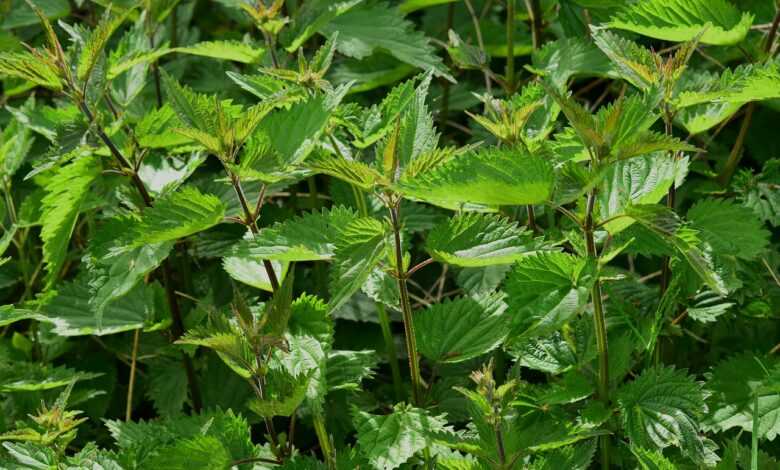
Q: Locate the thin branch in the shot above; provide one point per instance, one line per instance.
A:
(131, 381)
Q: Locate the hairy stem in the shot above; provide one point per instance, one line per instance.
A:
(406, 309)
(599, 323)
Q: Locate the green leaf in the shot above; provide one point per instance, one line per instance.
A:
(683, 20)
(733, 385)
(199, 452)
(462, 329)
(652, 460)
(664, 223)
(314, 16)
(72, 314)
(409, 6)
(29, 376)
(293, 132)
(347, 369)
(375, 26)
(31, 455)
(60, 208)
(227, 50)
(114, 270)
(490, 176)
(251, 271)
(634, 63)
(388, 441)
(177, 215)
(729, 228)
(571, 57)
(661, 408)
(96, 41)
(27, 66)
(167, 387)
(545, 290)
(351, 171)
(358, 251)
(472, 239)
(641, 180)
(310, 237)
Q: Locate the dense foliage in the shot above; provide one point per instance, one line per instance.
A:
(320, 234)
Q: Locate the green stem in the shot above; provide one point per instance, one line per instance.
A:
(406, 309)
(599, 323)
(324, 440)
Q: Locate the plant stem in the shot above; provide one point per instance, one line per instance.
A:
(250, 220)
(324, 440)
(666, 273)
(406, 309)
(535, 15)
(510, 46)
(170, 293)
(599, 323)
(480, 43)
(131, 381)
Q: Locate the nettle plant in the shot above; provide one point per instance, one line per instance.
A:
(229, 247)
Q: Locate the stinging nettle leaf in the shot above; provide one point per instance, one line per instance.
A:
(545, 290)
(65, 193)
(462, 329)
(177, 215)
(661, 408)
(729, 228)
(310, 237)
(388, 441)
(683, 20)
(473, 240)
(491, 177)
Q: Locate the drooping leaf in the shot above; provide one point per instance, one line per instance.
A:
(474, 240)
(461, 329)
(682, 20)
